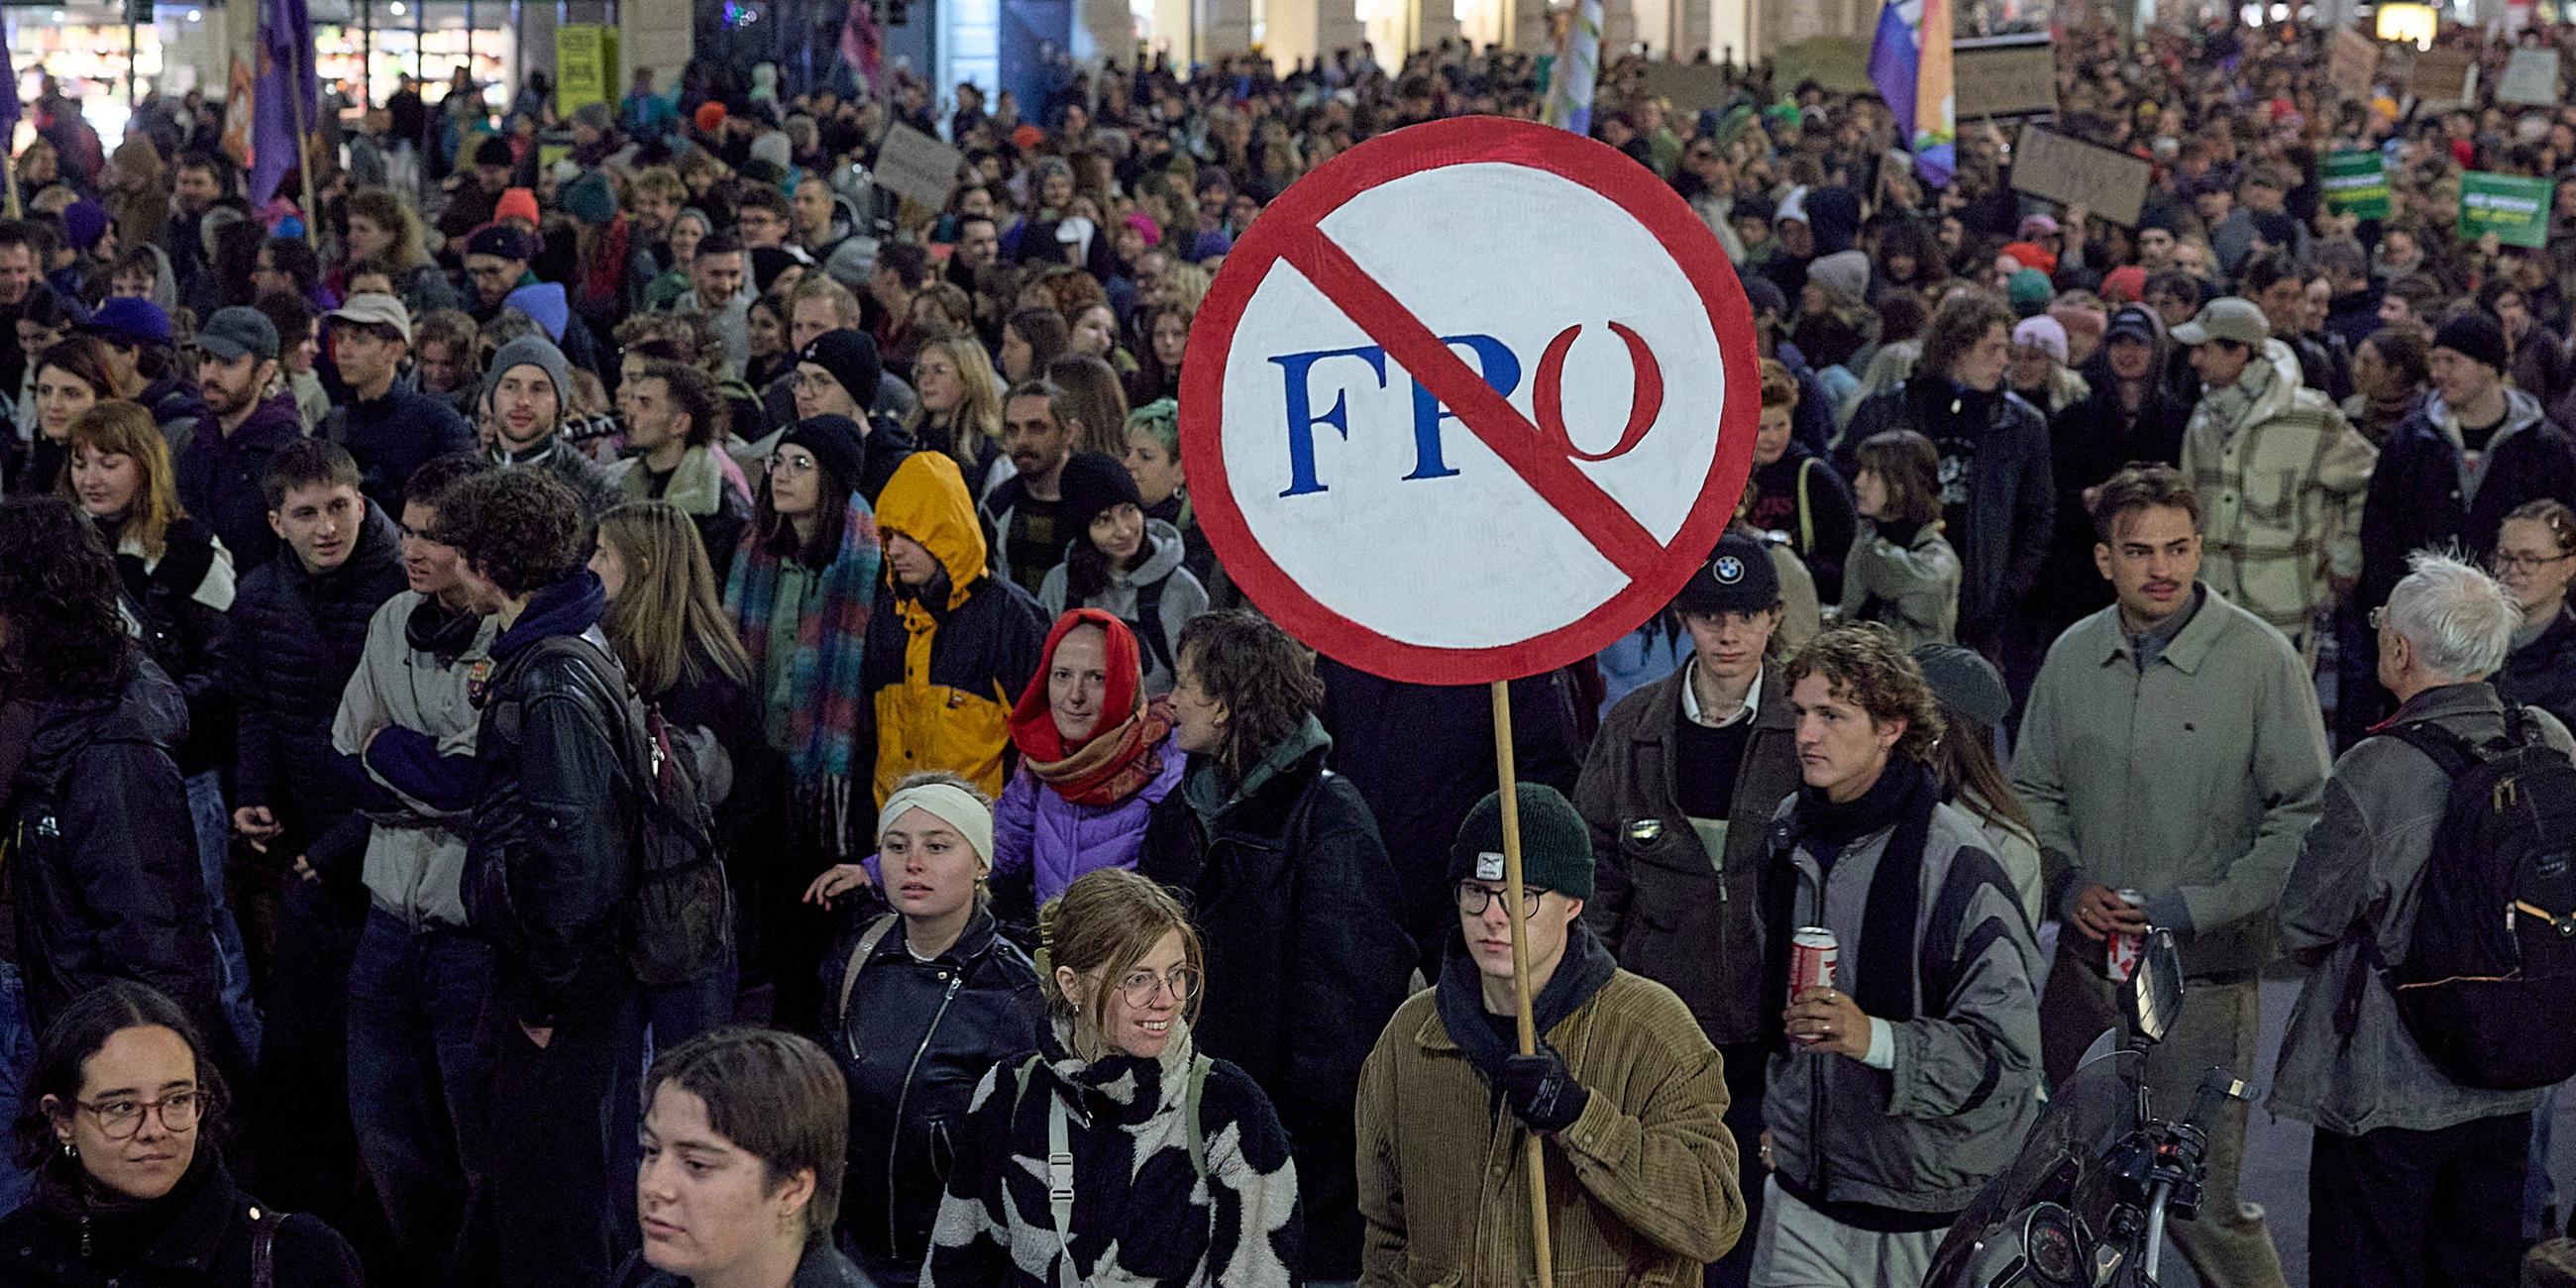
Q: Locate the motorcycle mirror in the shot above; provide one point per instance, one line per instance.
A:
(2154, 995)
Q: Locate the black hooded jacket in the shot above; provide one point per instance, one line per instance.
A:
(202, 1234)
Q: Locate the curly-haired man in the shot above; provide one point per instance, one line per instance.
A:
(1906, 1080)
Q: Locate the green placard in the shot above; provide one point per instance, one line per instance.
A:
(2512, 207)
(2356, 183)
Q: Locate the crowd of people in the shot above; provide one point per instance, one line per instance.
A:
(665, 716)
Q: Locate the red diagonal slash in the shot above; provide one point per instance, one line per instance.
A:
(1495, 422)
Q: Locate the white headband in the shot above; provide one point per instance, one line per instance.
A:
(951, 805)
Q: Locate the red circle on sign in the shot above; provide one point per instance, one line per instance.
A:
(1292, 221)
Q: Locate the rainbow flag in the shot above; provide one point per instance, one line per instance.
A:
(1909, 61)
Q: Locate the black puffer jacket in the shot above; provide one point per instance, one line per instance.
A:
(199, 1235)
(297, 638)
(1293, 894)
(219, 477)
(179, 605)
(550, 860)
(103, 864)
(2543, 673)
(914, 1040)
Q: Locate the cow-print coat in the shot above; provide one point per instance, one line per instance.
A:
(1141, 1216)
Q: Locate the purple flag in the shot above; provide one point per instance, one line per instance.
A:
(285, 81)
(9, 111)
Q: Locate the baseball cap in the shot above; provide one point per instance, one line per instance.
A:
(2132, 322)
(1737, 578)
(128, 322)
(235, 331)
(2226, 318)
(377, 310)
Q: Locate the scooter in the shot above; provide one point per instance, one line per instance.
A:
(2085, 1203)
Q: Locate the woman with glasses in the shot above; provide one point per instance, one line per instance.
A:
(129, 1189)
(800, 596)
(2535, 558)
(1181, 1164)
(927, 998)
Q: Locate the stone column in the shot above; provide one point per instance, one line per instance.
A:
(656, 34)
(1309, 29)
(1222, 27)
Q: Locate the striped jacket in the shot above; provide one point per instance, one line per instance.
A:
(2282, 477)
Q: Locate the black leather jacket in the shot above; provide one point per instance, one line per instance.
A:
(550, 861)
(913, 1042)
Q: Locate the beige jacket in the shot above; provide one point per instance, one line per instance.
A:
(1641, 1191)
(2282, 477)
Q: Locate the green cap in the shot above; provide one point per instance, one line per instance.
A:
(1556, 848)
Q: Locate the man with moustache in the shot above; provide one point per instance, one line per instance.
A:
(2172, 747)
(1038, 431)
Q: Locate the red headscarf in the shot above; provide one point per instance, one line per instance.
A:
(1117, 759)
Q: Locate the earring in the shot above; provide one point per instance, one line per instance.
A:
(70, 1150)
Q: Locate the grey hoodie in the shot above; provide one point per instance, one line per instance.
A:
(415, 855)
(1182, 599)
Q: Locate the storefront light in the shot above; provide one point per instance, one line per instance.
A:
(2409, 22)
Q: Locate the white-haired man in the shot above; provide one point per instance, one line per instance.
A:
(2414, 1178)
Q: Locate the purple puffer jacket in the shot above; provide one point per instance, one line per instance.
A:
(1033, 827)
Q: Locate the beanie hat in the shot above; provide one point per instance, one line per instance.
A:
(1092, 485)
(84, 222)
(501, 242)
(531, 351)
(2042, 332)
(767, 262)
(494, 150)
(2474, 336)
(516, 203)
(1765, 296)
(851, 357)
(1965, 682)
(837, 443)
(711, 117)
(2126, 284)
(1844, 275)
(1556, 847)
(2031, 255)
(1146, 228)
(588, 198)
(774, 148)
(2029, 291)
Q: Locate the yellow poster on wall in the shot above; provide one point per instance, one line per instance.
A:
(585, 66)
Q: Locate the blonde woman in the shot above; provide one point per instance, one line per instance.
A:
(961, 408)
(1181, 1161)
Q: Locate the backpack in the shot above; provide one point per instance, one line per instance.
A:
(2491, 999)
(678, 923)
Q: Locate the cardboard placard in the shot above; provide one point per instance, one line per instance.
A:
(2530, 79)
(2443, 76)
(2514, 208)
(1838, 63)
(1689, 87)
(2352, 61)
(916, 167)
(2075, 173)
(2005, 77)
(2356, 183)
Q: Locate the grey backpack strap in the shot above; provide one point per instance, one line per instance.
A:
(263, 1247)
(868, 941)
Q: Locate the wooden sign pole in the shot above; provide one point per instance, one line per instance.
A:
(1511, 802)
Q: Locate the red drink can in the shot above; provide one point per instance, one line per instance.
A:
(2122, 949)
(1812, 954)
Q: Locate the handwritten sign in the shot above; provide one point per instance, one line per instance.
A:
(2005, 77)
(2444, 76)
(916, 167)
(2352, 60)
(2075, 173)
(2530, 79)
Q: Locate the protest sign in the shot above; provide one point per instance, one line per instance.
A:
(2530, 79)
(916, 167)
(2356, 183)
(2352, 60)
(2005, 77)
(2110, 184)
(2512, 207)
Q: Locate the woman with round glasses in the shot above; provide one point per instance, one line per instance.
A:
(129, 1189)
(2535, 558)
(1180, 1162)
(927, 998)
(799, 595)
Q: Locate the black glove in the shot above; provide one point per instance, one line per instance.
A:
(1542, 1091)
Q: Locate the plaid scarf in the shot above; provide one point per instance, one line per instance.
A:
(824, 692)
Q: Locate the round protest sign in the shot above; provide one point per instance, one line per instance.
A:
(1469, 402)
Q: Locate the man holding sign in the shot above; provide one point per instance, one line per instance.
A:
(1628, 1095)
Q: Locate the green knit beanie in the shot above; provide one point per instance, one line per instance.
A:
(1556, 848)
